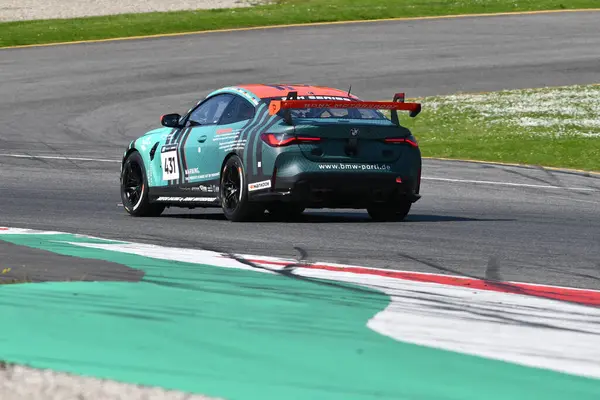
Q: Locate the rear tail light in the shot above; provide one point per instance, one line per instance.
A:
(282, 139)
(413, 143)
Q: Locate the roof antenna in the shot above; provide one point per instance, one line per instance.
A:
(349, 90)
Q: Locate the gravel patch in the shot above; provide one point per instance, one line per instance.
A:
(20, 10)
(23, 383)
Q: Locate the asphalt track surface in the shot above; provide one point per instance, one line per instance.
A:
(90, 100)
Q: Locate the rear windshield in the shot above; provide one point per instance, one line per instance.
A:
(337, 113)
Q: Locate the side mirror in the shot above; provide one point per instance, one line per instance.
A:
(170, 120)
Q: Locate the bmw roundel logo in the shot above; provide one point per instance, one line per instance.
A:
(354, 131)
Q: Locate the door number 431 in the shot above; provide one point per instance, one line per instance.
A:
(170, 166)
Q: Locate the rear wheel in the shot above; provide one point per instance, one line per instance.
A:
(134, 189)
(234, 193)
(390, 212)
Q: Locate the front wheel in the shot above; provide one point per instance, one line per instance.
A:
(134, 188)
(234, 192)
(390, 212)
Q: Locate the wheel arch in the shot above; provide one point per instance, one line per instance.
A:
(127, 154)
(143, 207)
(228, 156)
(146, 158)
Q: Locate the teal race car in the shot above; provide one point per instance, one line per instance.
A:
(281, 148)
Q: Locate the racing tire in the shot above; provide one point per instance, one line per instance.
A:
(285, 211)
(134, 188)
(233, 191)
(384, 213)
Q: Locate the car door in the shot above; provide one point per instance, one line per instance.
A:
(199, 157)
(208, 149)
(228, 135)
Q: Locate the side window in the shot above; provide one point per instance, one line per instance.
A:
(239, 110)
(209, 112)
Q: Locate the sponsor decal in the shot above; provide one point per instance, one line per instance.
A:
(226, 136)
(204, 176)
(226, 130)
(230, 140)
(210, 188)
(200, 188)
(356, 167)
(233, 145)
(191, 171)
(354, 131)
(187, 199)
(245, 94)
(259, 185)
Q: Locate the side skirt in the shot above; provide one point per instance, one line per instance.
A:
(190, 195)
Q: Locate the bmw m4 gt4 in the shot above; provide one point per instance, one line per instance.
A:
(281, 148)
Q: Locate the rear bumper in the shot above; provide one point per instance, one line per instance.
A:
(341, 190)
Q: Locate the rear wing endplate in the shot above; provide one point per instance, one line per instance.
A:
(398, 104)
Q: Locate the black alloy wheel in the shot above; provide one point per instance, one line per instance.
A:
(234, 193)
(232, 188)
(133, 184)
(134, 189)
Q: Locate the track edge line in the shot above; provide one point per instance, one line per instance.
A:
(308, 24)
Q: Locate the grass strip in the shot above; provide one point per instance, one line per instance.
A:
(277, 13)
(554, 127)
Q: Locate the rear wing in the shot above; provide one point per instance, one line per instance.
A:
(394, 106)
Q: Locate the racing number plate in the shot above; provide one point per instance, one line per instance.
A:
(170, 166)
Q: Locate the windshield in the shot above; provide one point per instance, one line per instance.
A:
(337, 113)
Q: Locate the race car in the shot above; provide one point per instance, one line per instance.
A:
(278, 148)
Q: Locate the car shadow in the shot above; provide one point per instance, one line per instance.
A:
(336, 217)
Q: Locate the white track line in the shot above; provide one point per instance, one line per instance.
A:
(58, 158)
(423, 178)
(507, 184)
